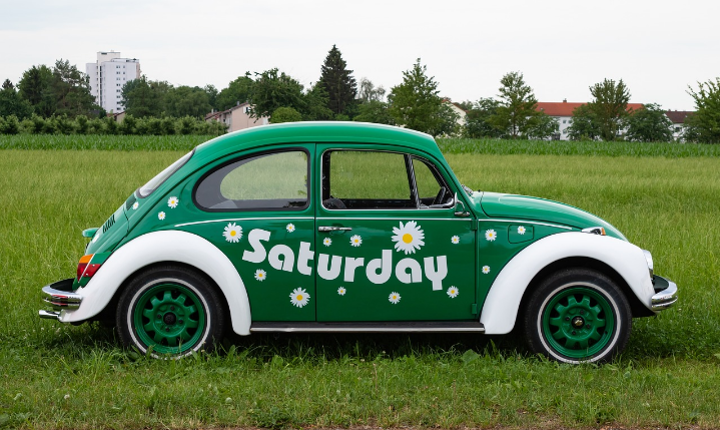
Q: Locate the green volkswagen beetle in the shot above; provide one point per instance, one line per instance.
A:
(347, 227)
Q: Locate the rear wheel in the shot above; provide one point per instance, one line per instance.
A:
(577, 315)
(170, 311)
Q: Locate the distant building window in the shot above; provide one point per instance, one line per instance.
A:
(677, 129)
(564, 121)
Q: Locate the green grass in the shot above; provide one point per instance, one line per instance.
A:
(102, 142)
(58, 376)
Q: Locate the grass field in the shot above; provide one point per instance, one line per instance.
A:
(57, 376)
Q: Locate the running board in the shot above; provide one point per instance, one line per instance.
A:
(370, 327)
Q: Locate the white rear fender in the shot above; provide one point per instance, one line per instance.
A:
(502, 304)
(158, 247)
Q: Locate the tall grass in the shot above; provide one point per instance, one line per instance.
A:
(102, 142)
(58, 376)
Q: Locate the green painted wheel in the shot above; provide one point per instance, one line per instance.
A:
(170, 311)
(577, 315)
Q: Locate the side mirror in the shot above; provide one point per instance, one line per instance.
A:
(460, 210)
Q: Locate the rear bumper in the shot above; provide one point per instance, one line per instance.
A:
(60, 296)
(665, 294)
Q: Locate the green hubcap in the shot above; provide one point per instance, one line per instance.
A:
(578, 322)
(170, 318)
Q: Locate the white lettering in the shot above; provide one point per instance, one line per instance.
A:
(401, 271)
(436, 277)
(286, 263)
(350, 265)
(382, 265)
(304, 256)
(335, 266)
(258, 254)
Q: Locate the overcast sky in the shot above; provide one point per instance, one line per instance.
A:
(657, 48)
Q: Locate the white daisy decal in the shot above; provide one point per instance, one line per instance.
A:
(290, 228)
(342, 291)
(260, 275)
(521, 230)
(453, 292)
(394, 298)
(408, 238)
(173, 202)
(299, 297)
(490, 235)
(356, 240)
(233, 232)
(136, 205)
(486, 270)
(327, 241)
(161, 216)
(455, 239)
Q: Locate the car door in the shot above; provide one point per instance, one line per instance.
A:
(256, 208)
(390, 246)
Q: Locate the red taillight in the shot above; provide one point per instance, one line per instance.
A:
(85, 269)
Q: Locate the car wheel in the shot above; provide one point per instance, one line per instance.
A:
(170, 311)
(577, 315)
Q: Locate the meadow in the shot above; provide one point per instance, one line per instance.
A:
(664, 197)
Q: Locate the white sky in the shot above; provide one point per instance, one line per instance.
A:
(562, 47)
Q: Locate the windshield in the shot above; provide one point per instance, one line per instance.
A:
(161, 177)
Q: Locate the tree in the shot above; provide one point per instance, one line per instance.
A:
(543, 127)
(477, 122)
(285, 114)
(237, 91)
(212, 94)
(316, 106)
(35, 87)
(609, 107)
(584, 124)
(516, 113)
(338, 83)
(12, 104)
(369, 92)
(71, 89)
(271, 91)
(415, 103)
(142, 98)
(649, 124)
(448, 124)
(704, 125)
(374, 111)
(187, 101)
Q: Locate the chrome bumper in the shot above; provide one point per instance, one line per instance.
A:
(665, 295)
(60, 296)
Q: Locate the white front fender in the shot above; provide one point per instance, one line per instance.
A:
(502, 304)
(157, 247)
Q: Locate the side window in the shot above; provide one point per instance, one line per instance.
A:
(427, 185)
(274, 181)
(365, 180)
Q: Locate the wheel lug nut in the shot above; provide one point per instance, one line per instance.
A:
(168, 329)
(180, 322)
(567, 318)
(172, 308)
(587, 325)
(159, 316)
(574, 332)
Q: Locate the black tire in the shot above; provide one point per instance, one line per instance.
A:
(577, 316)
(187, 313)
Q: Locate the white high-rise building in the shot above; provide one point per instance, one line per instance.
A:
(107, 77)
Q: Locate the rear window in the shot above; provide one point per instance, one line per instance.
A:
(161, 177)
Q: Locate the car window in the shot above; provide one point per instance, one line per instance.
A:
(271, 181)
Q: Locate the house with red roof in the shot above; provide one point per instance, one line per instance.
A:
(563, 113)
(678, 118)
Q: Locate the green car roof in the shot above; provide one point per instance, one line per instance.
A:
(315, 132)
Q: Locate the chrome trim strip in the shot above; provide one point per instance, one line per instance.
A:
(523, 221)
(245, 219)
(49, 315)
(61, 299)
(665, 298)
(393, 218)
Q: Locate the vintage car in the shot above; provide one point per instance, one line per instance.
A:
(348, 227)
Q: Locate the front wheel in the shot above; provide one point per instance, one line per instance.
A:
(170, 311)
(577, 315)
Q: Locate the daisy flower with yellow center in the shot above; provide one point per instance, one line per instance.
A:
(136, 205)
(327, 241)
(173, 202)
(356, 240)
(490, 235)
(486, 270)
(408, 238)
(260, 275)
(290, 228)
(453, 292)
(233, 233)
(161, 216)
(455, 239)
(299, 297)
(521, 230)
(394, 298)
(342, 291)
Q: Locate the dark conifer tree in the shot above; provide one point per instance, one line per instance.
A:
(338, 83)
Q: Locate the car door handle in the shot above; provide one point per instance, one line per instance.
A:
(328, 228)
